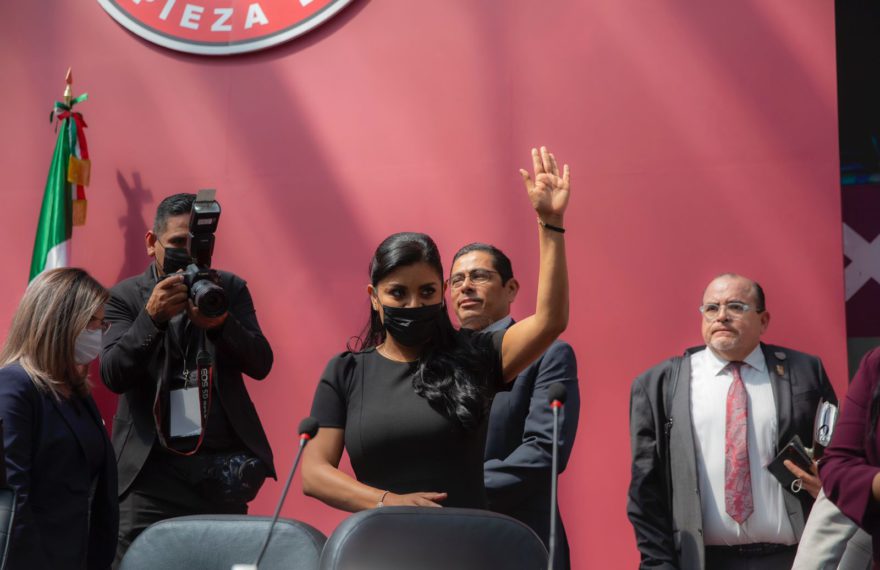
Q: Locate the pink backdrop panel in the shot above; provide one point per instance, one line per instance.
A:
(702, 138)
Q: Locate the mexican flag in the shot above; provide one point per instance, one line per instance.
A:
(64, 197)
(52, 244)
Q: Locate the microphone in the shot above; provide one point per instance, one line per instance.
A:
(556, 396)
(307, 430)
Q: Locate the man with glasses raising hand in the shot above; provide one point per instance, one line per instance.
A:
(519, 445)
(703, 427)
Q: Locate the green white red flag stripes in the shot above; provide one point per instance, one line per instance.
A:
(55, 226)
(52, 244)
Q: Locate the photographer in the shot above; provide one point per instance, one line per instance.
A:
(184, 449)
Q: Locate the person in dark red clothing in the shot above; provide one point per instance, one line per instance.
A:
(850, 469)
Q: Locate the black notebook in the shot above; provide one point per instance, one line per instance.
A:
(797, 453)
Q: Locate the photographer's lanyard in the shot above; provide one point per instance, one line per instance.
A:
(205, 378)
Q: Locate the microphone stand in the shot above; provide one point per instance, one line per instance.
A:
(556, 404)
(307, 431)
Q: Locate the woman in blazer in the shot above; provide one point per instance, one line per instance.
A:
(850, 468)
(58, 458)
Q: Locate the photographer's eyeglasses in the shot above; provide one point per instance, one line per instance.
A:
(95, 324)
(477, 277)
(735, 309)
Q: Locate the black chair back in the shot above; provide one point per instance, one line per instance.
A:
(209, 542)
(416, 538)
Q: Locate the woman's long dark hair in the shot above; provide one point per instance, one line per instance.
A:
(452, 372)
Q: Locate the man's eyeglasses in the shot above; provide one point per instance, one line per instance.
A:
(477, 277)
(96, 324)
(735, 309)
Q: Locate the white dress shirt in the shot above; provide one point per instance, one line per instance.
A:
(710, 381)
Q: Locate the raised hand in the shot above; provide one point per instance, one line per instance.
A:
(549, 190)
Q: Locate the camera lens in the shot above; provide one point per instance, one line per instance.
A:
(209, 297)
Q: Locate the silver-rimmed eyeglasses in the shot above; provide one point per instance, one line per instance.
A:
(98, 324)
(734, 309)
(477, 277)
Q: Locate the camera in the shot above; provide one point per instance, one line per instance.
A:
(202, 281)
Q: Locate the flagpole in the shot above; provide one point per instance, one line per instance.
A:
(55, 224)
(68, 91)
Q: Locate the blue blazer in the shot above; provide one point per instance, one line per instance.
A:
(519, 445)
(54, 528)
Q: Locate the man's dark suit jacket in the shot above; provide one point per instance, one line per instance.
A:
(664, 501)
(133, 358)
(55, 526)
(519, 445)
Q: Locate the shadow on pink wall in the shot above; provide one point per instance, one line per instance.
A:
(702, 139)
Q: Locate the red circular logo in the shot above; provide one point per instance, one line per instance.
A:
(220, 27)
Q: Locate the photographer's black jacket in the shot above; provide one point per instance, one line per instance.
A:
(133, 355)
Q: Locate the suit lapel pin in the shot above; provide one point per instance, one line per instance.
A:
(780, 369)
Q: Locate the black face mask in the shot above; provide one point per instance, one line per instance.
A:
(413, 326)
(176, 258)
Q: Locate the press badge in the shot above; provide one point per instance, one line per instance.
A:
(186, 419)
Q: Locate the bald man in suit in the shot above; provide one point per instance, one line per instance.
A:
(703, 426)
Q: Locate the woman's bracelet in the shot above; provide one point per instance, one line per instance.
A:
(547, 226)
(381, 502)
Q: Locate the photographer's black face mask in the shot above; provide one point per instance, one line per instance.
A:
(413, 326)
(176, 258)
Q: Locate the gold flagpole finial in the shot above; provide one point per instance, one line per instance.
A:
(68, 93)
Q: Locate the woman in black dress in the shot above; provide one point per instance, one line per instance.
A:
(411, 405)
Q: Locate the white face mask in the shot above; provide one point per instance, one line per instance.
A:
(88, 346)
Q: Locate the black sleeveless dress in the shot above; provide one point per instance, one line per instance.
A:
(396, 441)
